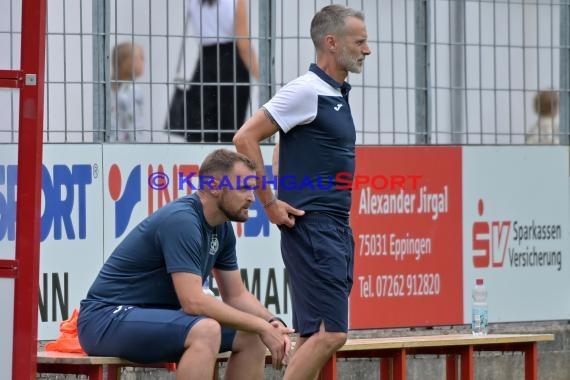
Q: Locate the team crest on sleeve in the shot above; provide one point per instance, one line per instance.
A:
(214, 244)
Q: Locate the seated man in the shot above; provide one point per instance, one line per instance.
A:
(147, 303)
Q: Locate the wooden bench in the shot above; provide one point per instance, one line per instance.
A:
(92, 366)
(391, 353)
(452, 346)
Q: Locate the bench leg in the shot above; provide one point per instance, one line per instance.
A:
(113, 372)
(467, 363)
(328, 372)
(96, 372)
(531, 362)
(451, 367)
(385, 369)
(399, 366)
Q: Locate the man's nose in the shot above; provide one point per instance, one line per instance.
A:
(251, 196)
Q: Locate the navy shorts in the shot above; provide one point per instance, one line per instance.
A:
(139, 334)
(319, 256)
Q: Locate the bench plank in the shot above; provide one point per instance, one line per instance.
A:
(92, 366)
(452, 345)
(366, 344)
(396, 348)
(52, 357)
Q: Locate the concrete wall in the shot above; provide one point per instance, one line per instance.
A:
(553, 357)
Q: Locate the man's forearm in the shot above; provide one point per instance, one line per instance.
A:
(247, 303)
(249, 146)
(229, 315)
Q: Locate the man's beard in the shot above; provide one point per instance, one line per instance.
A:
(350, 63)
(233, 216)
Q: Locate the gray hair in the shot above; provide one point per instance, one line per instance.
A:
(331, 20)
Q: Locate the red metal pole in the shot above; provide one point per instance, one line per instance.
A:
(11, 78)
(328, 372)
(29, 189)
(531, 361)
(467, 363)
(451, 367)
(399, 369)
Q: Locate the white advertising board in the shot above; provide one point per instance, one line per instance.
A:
(71, 236)
(6, 327)
(8, 170)
(516, 231)
(71, 249)
(515, 204)
(8, 188)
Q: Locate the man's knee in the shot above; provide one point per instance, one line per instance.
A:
(331, 341)
(207, 333)
(248, 342)
(337, 340)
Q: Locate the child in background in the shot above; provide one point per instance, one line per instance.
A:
(546, 130)
(127, 100)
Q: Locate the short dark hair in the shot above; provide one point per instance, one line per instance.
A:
(222, 161)
(546, 103)
(331, 20)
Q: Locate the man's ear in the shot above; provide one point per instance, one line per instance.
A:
(211, 186)
(215, 188)
(330, 43)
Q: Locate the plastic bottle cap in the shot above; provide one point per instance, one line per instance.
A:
(479, 281)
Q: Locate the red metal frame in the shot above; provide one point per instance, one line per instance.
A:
(94, 372)
(450, 367)
(531, 362)
(397, 369)
(29, 186)
(329, 370)
(11, 78)
(467, 362)
(8, 268)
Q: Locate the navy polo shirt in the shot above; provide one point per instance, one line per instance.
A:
(317, 143)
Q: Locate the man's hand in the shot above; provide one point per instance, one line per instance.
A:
(282, 213)
(288, 345)
(276, 338)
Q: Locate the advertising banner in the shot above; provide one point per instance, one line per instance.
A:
(93, 195)
(6, 327)
(427, 222)
(71, 251)
(71, 247)
(406, 218)
(8, 188)
(8, 174)
(516, 231)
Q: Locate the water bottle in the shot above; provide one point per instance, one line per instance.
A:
(479, 311)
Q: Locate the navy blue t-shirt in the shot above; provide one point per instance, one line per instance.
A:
(176, 238)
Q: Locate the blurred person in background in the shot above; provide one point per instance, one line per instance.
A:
(127, 99)
(217, 99)
(546, 129)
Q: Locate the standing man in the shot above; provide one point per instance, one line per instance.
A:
(317, 141)
(147, 303)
